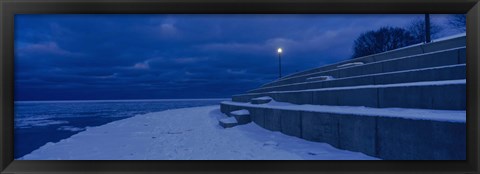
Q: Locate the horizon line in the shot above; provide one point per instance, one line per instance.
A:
(119, 100)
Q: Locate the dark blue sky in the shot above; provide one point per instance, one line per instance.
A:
(90, 57)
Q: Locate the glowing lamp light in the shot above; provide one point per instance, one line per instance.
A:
(279, 62)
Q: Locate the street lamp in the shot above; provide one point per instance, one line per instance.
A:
(427, 28)
(279, 62)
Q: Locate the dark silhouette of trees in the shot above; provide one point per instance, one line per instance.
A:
(381, 40)
(458, 21)
(417, 29)
(389, 38)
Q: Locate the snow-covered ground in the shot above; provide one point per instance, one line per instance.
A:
(183, 134)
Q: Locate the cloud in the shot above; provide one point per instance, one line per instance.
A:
(230, 71)
(168, 29)
(111, 76)
(160, 31)
(316, 42)
(142, 65)
(49, 47)
(174, 56)
(189, 60)
(169, 63)
(232, 47)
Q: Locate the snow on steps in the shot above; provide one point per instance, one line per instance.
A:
(445, 95)
(260, 100)
(433, 59)
(438, 44)
(238, 117)
(450, 72)
(386, 128)
(242, 116)
(387, 133)
(321, 78)
(350, 64)
(406, 113)
(228, 122)
(240, 112)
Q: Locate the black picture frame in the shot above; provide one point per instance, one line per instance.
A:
(8, 8)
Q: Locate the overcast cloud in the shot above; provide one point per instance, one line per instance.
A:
(79, 57)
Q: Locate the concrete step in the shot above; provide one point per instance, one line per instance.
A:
(388, 133)
(401, 52)
(440, 58)
(242, 116)
(228, 122)
(443, 95)
(235, 118)
(260, 100)
(451, 72)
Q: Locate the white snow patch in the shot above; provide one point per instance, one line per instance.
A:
(424, 83)
(240, 112)
(37, 122)
(263, 98)
(229, 120)
(70, 128)
(321, 78)
(350, 64)
(186, 134)
(270, 143)
(450, 37)
(407, 113)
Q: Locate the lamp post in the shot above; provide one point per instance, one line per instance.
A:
(427, 28)
(279, 62)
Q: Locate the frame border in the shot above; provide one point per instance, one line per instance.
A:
(8, 9)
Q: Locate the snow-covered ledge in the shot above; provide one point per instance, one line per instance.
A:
(386, 133)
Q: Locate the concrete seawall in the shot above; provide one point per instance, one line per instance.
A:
(384, 137)
(426, 74)
(412, 50)
(433, 59)
(404, 104)
(444, 97)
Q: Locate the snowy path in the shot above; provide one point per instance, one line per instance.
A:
(190, 133)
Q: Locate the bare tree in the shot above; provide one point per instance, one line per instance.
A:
(417, 29)
(381, 40)
(458, 21)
